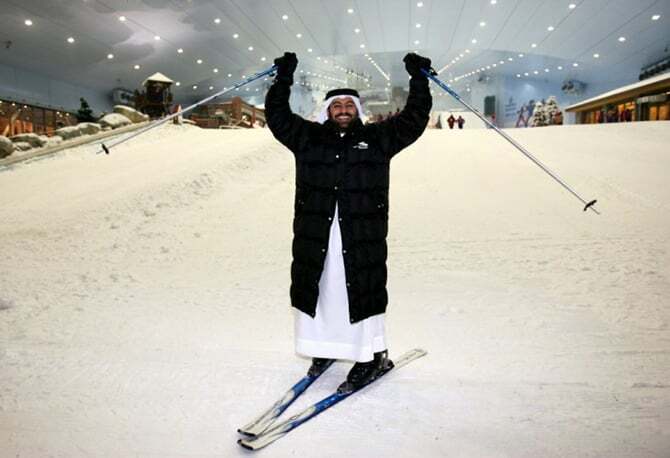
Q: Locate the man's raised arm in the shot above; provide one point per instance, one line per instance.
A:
(406, 127)
(287, 127)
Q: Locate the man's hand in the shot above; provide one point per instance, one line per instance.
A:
(286, 66)
(414, 63)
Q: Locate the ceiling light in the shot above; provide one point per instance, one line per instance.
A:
(217, 21)
(510, 59)
(418, 25)
(362, 46)
(229, 75)
(596, 56)
(560, 67)
(493, 2)
(534, 45)
(350, 11)
(216, 70)
(416, 42)
(357, 30)
(518, 75)
(535, 72)
(180, 50)
(28, 22)
(656, 17)
(546, 70)
(177, 83)
(482, 24)
(110, 56)
(309, 49)
(622, 39)
(70, 40)
(550, 28)
(211, 88)
(520, 55)
(525, 73)
(572, 6)
(136, 67)
(575, 64)
(157, 37)
(199, 61)
(419, 4)
(250, 48)
(474, 41)
(195, 86)
(263, 59)
(236, 36)
(298, 35)
(285, 17)
(122, 18)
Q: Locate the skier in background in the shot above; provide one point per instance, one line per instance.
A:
(338, 273)
(460, 121)
(451, 120)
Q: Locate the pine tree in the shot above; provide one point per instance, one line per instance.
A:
(85, 114)
(539, 116)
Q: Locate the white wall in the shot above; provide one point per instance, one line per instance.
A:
(29, 87)
(511, 93)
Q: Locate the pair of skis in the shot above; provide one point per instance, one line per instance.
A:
(262, 431)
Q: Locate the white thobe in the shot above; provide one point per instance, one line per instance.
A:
(330, 334)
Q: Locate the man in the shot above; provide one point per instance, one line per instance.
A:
(338, 274)
(451, 120)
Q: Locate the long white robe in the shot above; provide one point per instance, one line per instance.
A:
(330, 334)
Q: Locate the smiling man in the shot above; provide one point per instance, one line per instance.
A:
(338, 274)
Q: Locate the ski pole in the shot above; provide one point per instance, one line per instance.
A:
(158, 122)
(587, 205)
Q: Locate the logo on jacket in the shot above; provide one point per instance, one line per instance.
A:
(361, 145)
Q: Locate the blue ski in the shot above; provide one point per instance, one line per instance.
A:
(265, 420)
(280, 430)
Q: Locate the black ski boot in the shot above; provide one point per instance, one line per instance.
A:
(319, 365)
(363, 373)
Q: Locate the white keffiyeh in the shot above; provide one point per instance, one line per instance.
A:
(323, 115)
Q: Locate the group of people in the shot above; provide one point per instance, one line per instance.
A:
(451, 121)
(380, 117)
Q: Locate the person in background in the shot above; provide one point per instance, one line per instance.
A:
(451, 121)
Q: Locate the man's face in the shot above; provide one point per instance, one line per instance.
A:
(343, 111)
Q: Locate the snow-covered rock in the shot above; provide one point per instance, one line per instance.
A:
(55, 140)
(69, 132)
(130, 113)
(115, 120)
(6, 147)
(89, 128)
(23, 146)
(33, 139)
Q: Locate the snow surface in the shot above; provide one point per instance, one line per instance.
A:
(144, 299)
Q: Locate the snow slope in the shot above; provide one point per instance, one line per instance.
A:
(144, 299)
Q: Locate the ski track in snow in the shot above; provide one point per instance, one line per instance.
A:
(144, 299)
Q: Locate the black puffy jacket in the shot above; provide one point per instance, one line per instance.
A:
(354, 171)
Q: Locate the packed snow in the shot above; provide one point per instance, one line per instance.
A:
(144, 305)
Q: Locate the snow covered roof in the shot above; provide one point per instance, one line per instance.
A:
(159, 77)
(621, 90)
